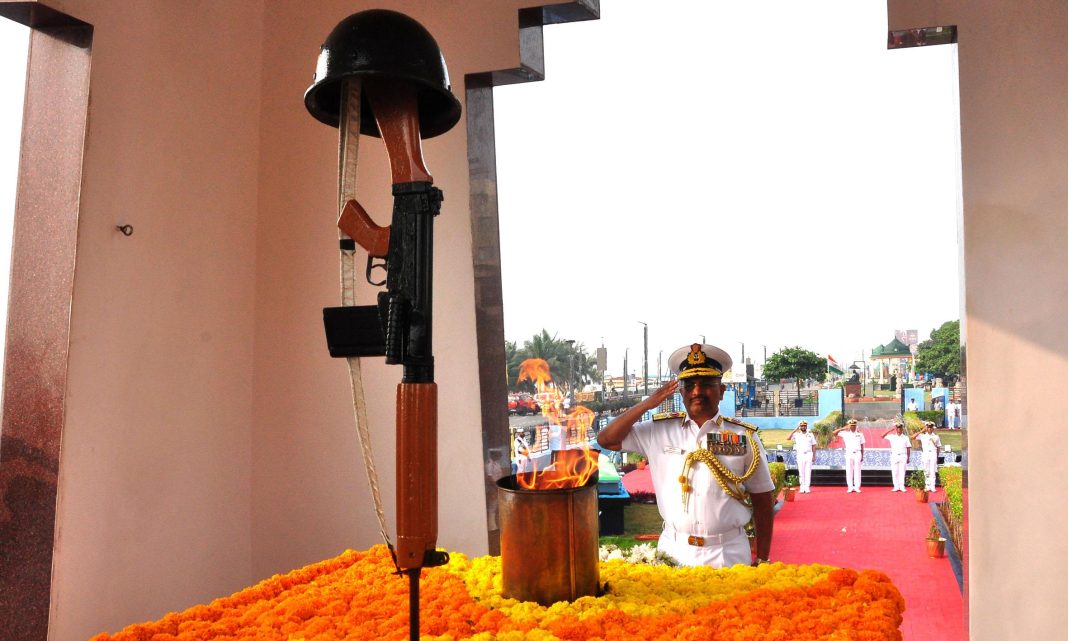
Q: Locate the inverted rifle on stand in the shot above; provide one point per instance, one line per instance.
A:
(382, 74)
(400, 325)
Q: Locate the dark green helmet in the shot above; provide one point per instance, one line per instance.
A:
(386, 44)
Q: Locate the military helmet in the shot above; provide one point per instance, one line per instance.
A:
(384, 44)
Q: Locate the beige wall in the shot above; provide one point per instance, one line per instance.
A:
(155, 473)
(210, 440)
(1013, 61)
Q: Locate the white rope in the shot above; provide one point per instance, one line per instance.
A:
(349, 131)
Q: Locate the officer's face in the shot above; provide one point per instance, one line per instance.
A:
(701, 395)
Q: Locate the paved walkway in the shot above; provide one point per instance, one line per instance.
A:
(876, 529)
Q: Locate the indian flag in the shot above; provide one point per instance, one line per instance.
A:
(833, 366)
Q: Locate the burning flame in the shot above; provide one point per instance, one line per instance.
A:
(535, 370)
(572, 467)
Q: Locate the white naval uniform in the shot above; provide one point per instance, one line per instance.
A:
(854, 442)
(521, 453)
(899, 458)
(709, 512)
(931, 443)
(557, 441)
(804, 443)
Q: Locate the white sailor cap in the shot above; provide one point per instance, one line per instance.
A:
(699, 360)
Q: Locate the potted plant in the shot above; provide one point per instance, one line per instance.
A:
(936, 543)
(790, 487)
(918, 481)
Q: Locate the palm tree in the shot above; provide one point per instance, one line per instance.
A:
(553, 351)
(513, 357)
(566, 359)
(585, 366)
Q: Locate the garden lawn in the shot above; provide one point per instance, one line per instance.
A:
(774, 438)
(952, 438)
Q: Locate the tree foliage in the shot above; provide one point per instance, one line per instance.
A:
(568, 361)
(940, 354)
(513, 358)
(796, 363)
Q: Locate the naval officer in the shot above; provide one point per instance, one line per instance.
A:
(900, 450)
(931, 443)
(709, 472)
(854, 453)
(805, 450)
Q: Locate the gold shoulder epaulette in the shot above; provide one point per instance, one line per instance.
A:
(748, 426)
(665, 415)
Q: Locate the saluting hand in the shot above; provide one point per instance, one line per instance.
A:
(662, 394)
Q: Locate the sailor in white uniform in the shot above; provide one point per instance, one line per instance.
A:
(805, 449)
(709, 471)
(900, 450)
(931, 444)
(854, 453)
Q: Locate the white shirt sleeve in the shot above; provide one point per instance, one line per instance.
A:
(638, 439)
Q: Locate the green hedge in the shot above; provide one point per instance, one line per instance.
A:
(938, 417)
(914, 420)
(824, 429)
(953, 483)
(611, 405)
(953, 508)
(778, 477)
(913, 423)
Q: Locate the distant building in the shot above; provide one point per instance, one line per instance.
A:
(893, 359)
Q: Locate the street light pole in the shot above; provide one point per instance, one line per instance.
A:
(570, 369)
(645, 357)
(764, 366)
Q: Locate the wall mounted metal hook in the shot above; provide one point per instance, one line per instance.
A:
(127, 230)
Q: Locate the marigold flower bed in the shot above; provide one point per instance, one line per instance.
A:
(357, 596)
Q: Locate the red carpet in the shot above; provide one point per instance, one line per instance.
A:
(876, 529)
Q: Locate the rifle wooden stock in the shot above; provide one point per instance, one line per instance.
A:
(396, 109)
(355, 222)
(417, 473)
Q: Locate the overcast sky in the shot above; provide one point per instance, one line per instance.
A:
(759, 173)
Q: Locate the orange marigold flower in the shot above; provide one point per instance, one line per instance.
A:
(358, 595)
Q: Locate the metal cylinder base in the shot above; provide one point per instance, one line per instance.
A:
(549, 542)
